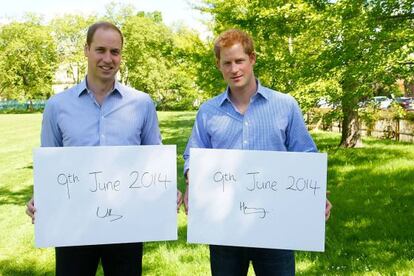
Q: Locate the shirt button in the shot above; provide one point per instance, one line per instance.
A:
(245, 141)
(246, 123)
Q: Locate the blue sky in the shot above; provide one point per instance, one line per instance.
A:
(173, 11)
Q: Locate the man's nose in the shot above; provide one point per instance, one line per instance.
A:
(107, 57)
(234, 68)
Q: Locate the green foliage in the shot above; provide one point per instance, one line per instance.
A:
(397, 111)
(341, 50)
(410, 116)
(161, 62)
(28, 60)
(284, 34)
(166, 63)
(344, 51)
(323, 118)
(69, 35)
(359, 53)
(370, 115)
(118, 13)
(196, 56)
(15, 107)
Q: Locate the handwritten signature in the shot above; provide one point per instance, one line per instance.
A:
(250, 210)
(108, 214)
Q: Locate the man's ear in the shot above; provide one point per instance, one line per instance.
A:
(86, 50)
(252, 58)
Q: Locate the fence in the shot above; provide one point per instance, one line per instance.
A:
(395, 129)
(16, 106)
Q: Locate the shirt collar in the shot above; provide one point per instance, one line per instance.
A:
(83, 88)
(261, 91)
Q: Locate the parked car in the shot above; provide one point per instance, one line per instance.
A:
(405, 102)
(325, 103)
(383, 102)
(411, 106)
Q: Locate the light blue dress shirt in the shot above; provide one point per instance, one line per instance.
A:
(74, 118)
(273, 121)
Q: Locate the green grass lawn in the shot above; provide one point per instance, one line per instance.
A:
(370, 231)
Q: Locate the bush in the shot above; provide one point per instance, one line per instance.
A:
(15, 107)
(369, 116)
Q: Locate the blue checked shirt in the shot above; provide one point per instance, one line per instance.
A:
(273, 121)
(74, 118)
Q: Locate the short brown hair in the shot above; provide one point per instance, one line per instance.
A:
(102, 25)
(231, 37)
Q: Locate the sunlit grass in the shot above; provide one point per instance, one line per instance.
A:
(369, 233)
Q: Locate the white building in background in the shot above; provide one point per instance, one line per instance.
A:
(64, 78)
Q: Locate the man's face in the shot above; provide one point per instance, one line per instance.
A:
(237, 67)
(104, 55)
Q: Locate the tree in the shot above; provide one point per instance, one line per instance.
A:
(155, 63)
(69, 34)
(283, 31)
(195, 59)
(118, 13)
(337, 49)
(363, 39)
(28, 60)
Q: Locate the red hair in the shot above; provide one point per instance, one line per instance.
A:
(232, 37)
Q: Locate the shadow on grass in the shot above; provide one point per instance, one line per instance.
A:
(188, 255)
(372, 219)
(29, 269)
(19, 197)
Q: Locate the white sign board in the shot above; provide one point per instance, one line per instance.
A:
(102, 195)
(263, 199)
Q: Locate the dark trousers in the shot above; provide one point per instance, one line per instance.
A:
(234, 261)
(117, 259)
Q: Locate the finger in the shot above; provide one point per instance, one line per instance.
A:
(29, 213)
(30, 205)
(327, 213)
(29, 210)
(328, 210)
(328, 205)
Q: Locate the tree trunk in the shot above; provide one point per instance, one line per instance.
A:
(351, 136)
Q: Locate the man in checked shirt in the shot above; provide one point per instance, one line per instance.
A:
(100, 111)
(247, 116)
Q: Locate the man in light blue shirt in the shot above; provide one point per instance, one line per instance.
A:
(247, 116)
(99, 112)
